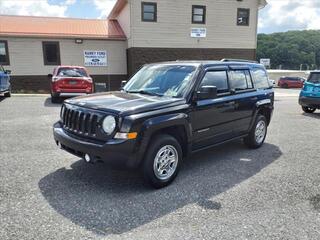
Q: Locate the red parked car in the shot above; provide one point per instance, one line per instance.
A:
(291, 82)
(69, 81)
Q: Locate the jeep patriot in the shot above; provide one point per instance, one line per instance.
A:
(167, 111)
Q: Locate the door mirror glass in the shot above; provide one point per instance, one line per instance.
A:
(50, 75)
(207, 92)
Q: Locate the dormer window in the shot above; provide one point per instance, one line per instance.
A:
(198, 14)
(149, 11)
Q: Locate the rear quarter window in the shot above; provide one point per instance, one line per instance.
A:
(260, 78)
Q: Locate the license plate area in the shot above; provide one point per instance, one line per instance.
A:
(73, 82)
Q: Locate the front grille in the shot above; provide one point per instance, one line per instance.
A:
(80, 121)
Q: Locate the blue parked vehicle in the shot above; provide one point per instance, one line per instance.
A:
(5, 86)
(310, 95)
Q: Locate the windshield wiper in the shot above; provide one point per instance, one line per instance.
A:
(146, 93)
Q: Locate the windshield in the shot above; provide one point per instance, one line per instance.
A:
(71, 72)
(161, 80)
(314, 78)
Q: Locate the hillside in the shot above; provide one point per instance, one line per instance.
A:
(291, 49)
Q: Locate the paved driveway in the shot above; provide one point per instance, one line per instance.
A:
(228, 192)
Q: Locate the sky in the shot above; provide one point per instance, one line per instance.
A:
(278, 16)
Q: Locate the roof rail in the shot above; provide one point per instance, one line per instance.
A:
(237, 60)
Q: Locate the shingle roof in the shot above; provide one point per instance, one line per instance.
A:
(60, 27)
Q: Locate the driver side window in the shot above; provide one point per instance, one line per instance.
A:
(218, 79)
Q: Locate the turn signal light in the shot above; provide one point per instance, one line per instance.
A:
(132, 135)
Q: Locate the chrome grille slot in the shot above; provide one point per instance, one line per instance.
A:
(86, 123)
(93, 124)
(73, 121)
(81, 120)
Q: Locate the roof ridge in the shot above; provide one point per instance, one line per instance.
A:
(52, 17)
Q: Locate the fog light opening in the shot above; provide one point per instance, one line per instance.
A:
(87, 158)
(59, 145)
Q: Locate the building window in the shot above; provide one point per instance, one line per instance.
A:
(51, 53)
(149, 11)
(243, 17)
(4, 53)
(198, 14)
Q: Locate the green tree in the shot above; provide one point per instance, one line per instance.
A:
(290, 49)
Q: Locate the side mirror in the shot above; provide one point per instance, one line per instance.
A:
(7, 71)
(207, 92)
(123, 83)
(50, 75)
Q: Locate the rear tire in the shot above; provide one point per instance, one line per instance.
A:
(162, 161)
(8, 94)
(55, 99)
(258, 133)
(308, 109)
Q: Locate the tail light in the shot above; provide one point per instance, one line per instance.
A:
(89, 80)
(54, 79)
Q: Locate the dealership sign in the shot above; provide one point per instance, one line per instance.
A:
(198, 32)
(95, 58)
(265, 61)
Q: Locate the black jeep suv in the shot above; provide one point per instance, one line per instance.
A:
(167, 111)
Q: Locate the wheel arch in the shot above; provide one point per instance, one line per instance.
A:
(265, 111)
(175, 125)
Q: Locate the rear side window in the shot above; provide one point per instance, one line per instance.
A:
(260, 78)
(218, 79)
(240, 80)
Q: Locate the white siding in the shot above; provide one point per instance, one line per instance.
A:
(174, 25)
(26, 55)
(125, 21)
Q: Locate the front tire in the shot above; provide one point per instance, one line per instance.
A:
(308, 109)
(162, 161)
(258, 133)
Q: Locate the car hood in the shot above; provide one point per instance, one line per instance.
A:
(125, 103)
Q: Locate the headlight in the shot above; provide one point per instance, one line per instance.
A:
(308, 88)
(109, 124)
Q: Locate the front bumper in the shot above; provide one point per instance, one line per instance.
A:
(312, 102)
(120, 153)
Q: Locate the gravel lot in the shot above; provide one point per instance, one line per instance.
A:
(228, 192)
